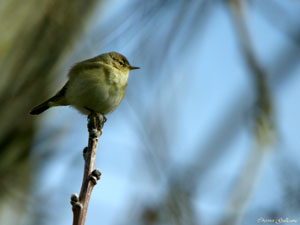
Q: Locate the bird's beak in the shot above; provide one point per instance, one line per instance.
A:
(133, 68)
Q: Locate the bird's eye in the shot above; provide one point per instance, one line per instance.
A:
(121, 63)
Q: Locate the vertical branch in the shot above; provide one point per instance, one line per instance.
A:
(264, 125)
(90, 175)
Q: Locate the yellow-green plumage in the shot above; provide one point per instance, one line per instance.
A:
(97, 84)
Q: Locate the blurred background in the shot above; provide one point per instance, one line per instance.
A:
(208, 132)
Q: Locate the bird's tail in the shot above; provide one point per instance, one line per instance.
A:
(56, 100)
(40, 108)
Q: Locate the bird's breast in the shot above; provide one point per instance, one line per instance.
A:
(101, 93)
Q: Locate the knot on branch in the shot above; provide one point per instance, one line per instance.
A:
(75, 201)
(84, 152)
(95, 176)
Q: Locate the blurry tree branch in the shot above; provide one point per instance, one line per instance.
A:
(263, 108)
(90, 176)
(264, 128)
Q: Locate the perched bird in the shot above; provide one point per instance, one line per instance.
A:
(95, 85)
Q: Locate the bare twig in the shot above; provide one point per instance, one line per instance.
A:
(90, 175)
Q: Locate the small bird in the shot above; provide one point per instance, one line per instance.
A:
(95, 85)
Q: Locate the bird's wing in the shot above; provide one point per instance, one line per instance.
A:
(84, 66)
